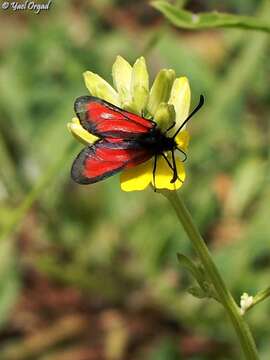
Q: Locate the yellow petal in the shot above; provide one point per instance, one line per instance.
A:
(80, 133)
(137, 178)
(121, 73)
(180, 98)
(139, 85)
(182, 140)
(100, 88)
(164, 175)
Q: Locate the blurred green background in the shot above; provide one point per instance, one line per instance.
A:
(91, 272)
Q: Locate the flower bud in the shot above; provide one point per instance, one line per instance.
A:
(161, 88)
(245, 302)
(164, 116)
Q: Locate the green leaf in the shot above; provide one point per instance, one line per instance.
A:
(197, 292)
(205, 289)
(188, 20)
(191, 268)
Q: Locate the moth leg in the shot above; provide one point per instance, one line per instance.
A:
(170, 165)
(154, 172)
(182, 152)
(175, 175)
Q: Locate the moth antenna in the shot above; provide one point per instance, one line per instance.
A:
(169, 128)
(197, 108)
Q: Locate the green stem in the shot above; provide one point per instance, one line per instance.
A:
(261, 296)
(233, 311)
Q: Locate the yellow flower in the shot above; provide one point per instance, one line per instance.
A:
(80, 133)
(167, 103)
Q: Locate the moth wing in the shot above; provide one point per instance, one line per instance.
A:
(104, 159)
(106, 120)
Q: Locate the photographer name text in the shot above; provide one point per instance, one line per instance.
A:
(26, 5)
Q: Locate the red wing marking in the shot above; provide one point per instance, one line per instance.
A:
(104, 159)
(106, 120)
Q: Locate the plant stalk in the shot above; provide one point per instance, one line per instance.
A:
(261, 296)
(242, 330)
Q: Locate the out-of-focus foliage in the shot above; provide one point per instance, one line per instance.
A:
(108, 255)
(207, 20)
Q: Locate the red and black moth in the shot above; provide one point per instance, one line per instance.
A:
(125, 141)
